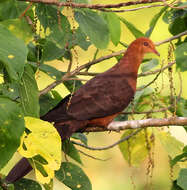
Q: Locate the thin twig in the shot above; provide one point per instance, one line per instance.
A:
(174, 7)
(172, 38)
(129, 10)
(141, 88)
(90, 156)
(110, 146)
(157, 70)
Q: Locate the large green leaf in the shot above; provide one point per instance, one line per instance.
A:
(69, 149)
(26, 184)
(73, 177)
(181, 56)
(182, 179)
(10, 9)
(135, 150)
(136, 32)
(11, 129)
(114, 27)
(13, 53)
(20, 28)
(94, 26)
(154, 21)
(28, 91)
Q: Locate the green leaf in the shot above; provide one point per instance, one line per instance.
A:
(94, 26)
(49, 101)
(136, 33)
(81, 39)
(72, 85)
(182, 179)
(134, 150)
(11, 129)
(69, 149)
(178, 158)
(9, 90)
(47, 15)
(27, 184)
(177, 19)
(154, 21)
(149, 65)
(51, 51)
(172, 146)
(81, 137)
(13, 53)
(20, 28)
(13, 8)
(28, 91)
(73, 177)
(181, 56)
(175, 186)
(114, 27)
(49, 70)
(181, 108)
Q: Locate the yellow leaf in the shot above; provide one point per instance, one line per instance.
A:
(41, 139)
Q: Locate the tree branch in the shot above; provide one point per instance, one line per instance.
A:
(92, 6)
(110, 146)
(172, 38)
(136, 124)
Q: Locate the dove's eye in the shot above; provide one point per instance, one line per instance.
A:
(145, 43)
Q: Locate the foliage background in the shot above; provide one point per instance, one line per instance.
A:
(115, 173)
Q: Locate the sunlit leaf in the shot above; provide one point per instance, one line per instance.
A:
(73, 177)
(41, 138)
(11, 129)
(172, 146)
(135, 149)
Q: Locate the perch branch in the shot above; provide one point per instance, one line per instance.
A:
(136, 124)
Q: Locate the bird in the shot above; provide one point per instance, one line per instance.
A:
(97, 102)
